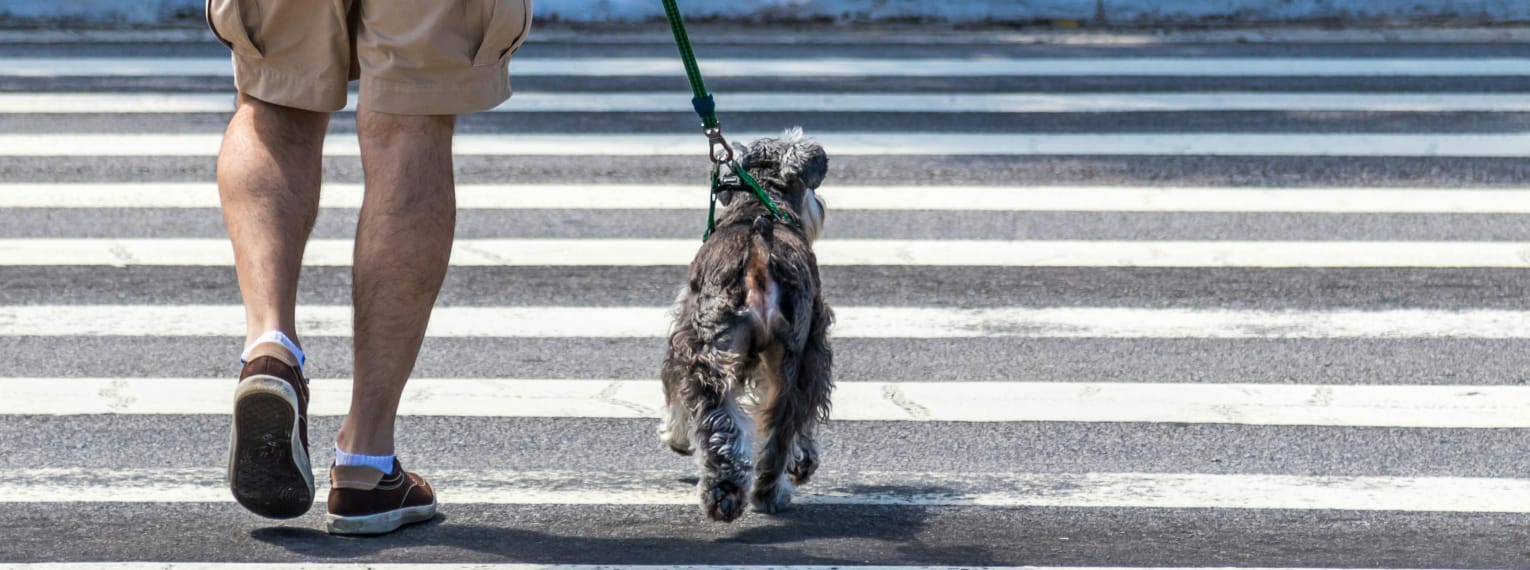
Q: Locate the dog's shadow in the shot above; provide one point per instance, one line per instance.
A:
(817, 534)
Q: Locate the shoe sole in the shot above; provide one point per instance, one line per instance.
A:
(268, 469)
(380, 523)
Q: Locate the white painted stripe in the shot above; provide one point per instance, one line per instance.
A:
(1065, 490)
(846, 144)
(315, 566)
(841, 198)
(652, 102)
(1453, 407)
(444, 566)
(850, 322)
(26, 103)
(854, 67)
(903, 253)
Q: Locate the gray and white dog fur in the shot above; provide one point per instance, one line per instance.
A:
(750, 340)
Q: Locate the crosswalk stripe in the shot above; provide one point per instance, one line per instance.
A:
(503, 566)
(1453, 407)
(850, 322)
(846, 144)
(193, 252)
(668, 102)
(840, 198)
(1062, 490)
(854, 67)
(506, 566)
(445, 566)
(442, 566)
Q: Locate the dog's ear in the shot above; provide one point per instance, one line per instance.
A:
(804, 159)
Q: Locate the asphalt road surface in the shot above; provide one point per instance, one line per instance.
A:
(1158, 305)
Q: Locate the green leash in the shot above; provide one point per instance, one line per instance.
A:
(718, 149)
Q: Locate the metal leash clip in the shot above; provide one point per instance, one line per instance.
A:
(717, 146)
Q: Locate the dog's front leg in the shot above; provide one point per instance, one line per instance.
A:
(816, 380)
(722, 433)
(675, 428)
(804, 458)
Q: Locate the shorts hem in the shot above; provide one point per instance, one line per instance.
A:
(452, 92)
(259, 79)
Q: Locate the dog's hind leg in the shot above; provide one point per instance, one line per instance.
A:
(722, 432)
(781, 419)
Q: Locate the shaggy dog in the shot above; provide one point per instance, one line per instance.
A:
(749, 350)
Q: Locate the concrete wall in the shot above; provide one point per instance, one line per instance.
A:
(139, 12)
(1256, 11)
(836, 10)
(1108, 12)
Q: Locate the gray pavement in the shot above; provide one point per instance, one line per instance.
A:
(971, 287)
(1377, 362)
(604, 453)
(340, 223)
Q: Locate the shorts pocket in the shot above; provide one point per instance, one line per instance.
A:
(506, 30)
(227, 21)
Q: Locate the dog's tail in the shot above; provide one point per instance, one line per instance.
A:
(760, 289)
(761, 237)
(763, 231)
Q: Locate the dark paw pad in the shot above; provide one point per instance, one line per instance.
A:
(772, 500)
(803, 465)
(723, 501)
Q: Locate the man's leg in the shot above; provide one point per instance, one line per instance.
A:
(421, 64)
(403, 245)
(268, 179)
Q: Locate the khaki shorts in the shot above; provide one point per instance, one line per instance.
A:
(413, 57)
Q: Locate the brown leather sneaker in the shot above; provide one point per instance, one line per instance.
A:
(268, 467)
(364, 501)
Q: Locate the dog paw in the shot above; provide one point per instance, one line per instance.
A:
(722, 500)
(772, 499)
(676, 440)
(677, 443)
(804, 463)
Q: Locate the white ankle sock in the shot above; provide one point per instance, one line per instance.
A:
(277, 337)
(382, 463)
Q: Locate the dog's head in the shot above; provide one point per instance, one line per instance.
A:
(795, 166)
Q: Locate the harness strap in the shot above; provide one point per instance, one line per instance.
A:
(754, 187)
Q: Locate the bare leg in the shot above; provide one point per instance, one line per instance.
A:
(403, 245)
(268, 179)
